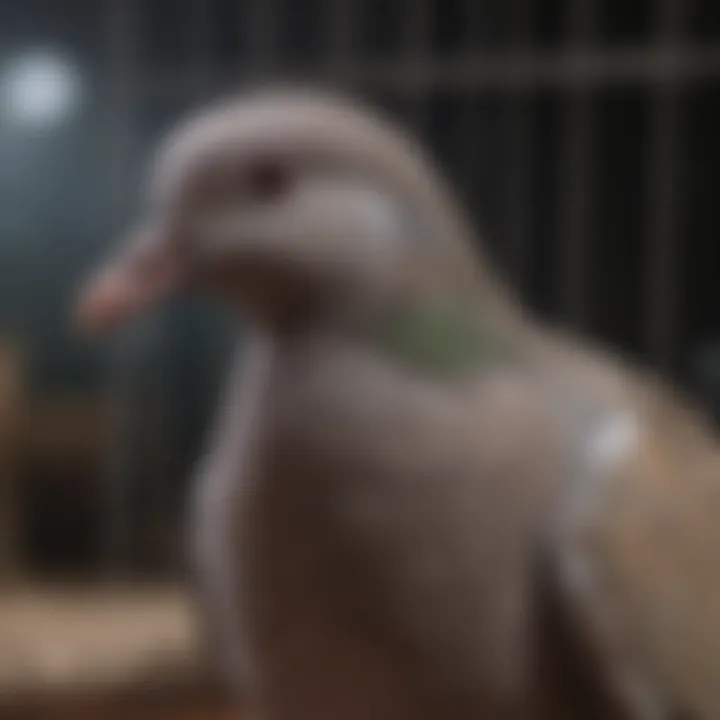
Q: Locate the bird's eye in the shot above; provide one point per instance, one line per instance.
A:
(268, 180)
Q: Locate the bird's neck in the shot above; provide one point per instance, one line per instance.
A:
(430, 317)
(435, 334)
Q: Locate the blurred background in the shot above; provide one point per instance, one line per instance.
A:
(581, 133)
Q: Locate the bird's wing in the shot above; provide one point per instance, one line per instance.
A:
(638, 553)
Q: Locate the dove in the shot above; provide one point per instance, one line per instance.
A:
(419, 501)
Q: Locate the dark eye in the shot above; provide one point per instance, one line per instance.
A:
(269, 180)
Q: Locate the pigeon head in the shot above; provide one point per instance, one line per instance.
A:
(287, 204)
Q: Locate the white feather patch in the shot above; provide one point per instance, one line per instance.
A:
(610, 445)
(613, 442)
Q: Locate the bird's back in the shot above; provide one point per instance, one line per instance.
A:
(648, 597)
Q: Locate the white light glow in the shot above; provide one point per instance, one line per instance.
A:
(39, 89)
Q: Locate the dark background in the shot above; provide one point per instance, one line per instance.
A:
(586, 186)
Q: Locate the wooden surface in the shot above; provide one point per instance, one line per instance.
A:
(67, 641)
(12, 395)
(210, 706)
(73, 432)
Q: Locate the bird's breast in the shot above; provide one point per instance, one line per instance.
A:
(380, 500)
(311, 608)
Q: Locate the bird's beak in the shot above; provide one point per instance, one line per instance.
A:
(149, 270)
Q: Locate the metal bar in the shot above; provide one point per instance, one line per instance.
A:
(474, 16)
(162, 442)
(122, 107)
(416, 38)
(495, 72)
(263, 32)
(342, 20)
(576, 179)
(664, 204)
(465, 147)
(202, 51)
(417, 48)
(518, 156)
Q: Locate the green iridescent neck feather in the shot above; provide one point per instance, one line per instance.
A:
(440, 339)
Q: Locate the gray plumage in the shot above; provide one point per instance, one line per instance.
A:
(420, 504)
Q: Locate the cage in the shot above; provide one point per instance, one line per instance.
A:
(580, 132)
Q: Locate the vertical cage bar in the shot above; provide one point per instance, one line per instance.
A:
(418, 25)
(417, 53)
(468, 145)
(122, 112)
(473, 13)
(518, 155)
(575, 234)
(263, 35)
(663, 206)
(200, 15)
(342, 18)
(163, 446)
